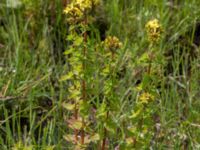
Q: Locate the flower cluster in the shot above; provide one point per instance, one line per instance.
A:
(154, 30)
(73, 11)
(112, 43)
(77, 8)
(87, 4)
(146, 97)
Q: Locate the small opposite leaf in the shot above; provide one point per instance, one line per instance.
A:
(68, 106)
(70, 37)
(84, 108)
(80, 147)
(101, 112)
(67, 76)
(135, 114)
(69, 51)
(95, 137)
(111, 126)
(106, 71)
(92, 138)
(69, 138)
(75, 124)
(78, 41)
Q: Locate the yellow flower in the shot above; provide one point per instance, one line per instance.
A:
(146, 98)
(73, 11)
(112, 43)
(77, 8)
(84, 4)
(154, 30)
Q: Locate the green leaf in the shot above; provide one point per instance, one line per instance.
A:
(106, 71)
(84, 108)
(50, 147)
(70, 37)
(108, 87)
(132, 129)
(111, 126)
(68, 106)
(69, 138)
(136, 113)
(144, 58)
(80, 146)
(95, 137)
(75, 124)
(69, 51)
(78, 41)
(75, 95)
(92, 138)
(101, 112)
(67, 76)
(73, 61)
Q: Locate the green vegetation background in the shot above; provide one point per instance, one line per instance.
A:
(32, 42)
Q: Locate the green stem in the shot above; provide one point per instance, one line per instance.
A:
(105, 134)
(112, 91)
(83, 81)
(76, 117)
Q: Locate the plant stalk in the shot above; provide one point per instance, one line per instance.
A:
(105, 134)
(76, 117)
(83, 81)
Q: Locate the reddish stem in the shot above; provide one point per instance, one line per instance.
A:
(105, 135)
(65, 2)
(83, 82)
(104, 140)
(76, 131)
(83, 133)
